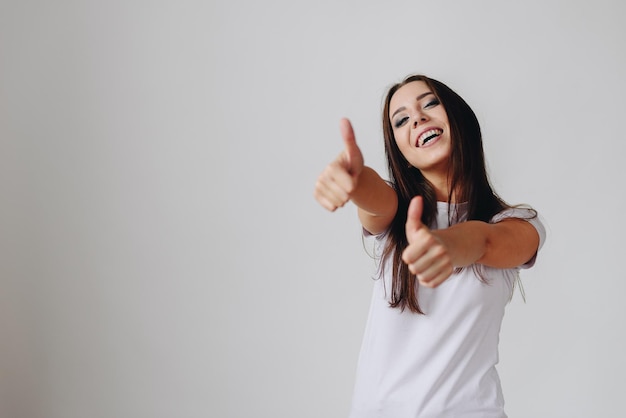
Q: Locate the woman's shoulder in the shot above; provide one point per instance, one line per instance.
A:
(524, 212)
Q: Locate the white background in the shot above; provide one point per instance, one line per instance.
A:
(161, 254)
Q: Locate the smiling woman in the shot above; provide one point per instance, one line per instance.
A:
(450, 251)
(420, 127)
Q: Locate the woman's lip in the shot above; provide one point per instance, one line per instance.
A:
(431, 142)
(423, 131)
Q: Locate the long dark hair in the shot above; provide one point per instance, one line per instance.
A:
(467, 176)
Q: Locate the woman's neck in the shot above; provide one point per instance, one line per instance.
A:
(441, 187)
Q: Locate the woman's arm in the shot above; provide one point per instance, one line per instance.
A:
(433, 255)
(347, 178)
(506, 244)
(376, 200)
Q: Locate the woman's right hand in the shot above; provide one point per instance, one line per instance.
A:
(340, 178)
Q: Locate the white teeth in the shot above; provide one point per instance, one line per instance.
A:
(427, 136)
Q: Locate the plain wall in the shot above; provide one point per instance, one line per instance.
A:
(161, 254)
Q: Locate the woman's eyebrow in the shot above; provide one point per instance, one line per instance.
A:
(417, 99)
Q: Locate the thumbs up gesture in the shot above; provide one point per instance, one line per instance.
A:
(426, 255)
(340, 178)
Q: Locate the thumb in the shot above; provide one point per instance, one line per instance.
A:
(353, 152)
(414, 216)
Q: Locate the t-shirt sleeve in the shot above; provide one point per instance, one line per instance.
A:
(532, 217)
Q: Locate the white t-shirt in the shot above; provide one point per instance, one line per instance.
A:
(441, 364)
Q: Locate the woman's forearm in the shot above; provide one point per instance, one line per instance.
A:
(376, 200)
(506, 244)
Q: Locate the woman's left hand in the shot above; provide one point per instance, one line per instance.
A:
(427, 255)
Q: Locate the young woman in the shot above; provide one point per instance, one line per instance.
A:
(450, 253)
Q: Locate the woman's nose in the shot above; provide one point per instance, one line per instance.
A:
(418, 118)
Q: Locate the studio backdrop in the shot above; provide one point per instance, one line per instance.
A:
(161, 252)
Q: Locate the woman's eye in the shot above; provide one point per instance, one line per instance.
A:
(433, 102)
(401, 121)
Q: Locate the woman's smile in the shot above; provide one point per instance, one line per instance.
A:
(428, 137)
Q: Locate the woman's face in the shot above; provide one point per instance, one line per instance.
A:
(420, 127)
